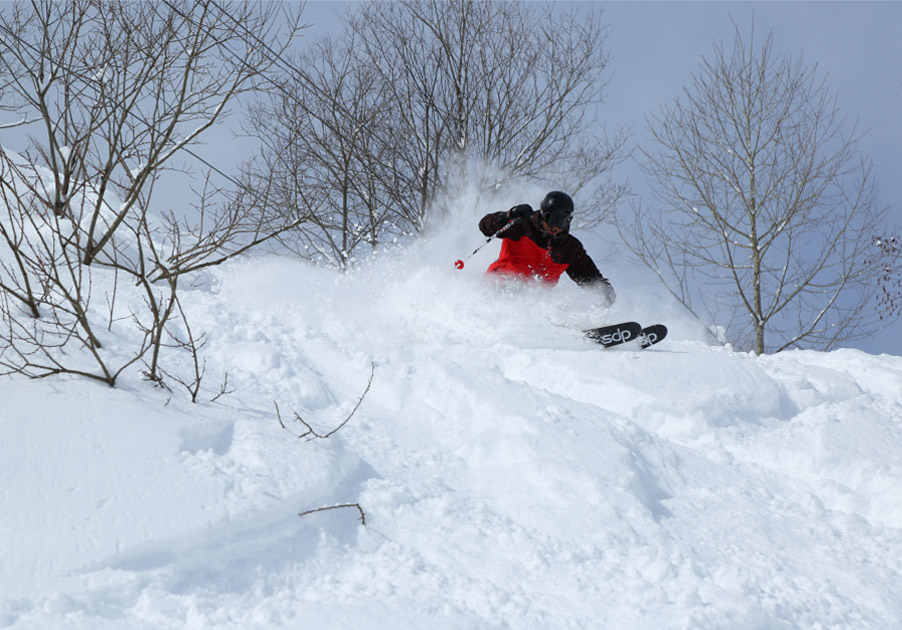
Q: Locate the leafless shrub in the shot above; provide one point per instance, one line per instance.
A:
(112, 95)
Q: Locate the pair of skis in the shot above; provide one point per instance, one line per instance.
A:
(626, 332)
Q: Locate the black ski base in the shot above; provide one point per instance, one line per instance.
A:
(653, 334)
(625, 332)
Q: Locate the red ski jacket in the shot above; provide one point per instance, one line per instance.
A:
(528, 253)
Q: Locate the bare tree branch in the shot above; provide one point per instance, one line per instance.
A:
(310, 431)
(889, 263)
(337, 507)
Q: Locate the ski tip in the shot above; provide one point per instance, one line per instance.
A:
(651, 335)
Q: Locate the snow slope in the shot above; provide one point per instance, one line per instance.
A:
(512, 474)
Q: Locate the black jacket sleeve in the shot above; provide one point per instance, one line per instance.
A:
(581, 269)
(494, 221)
(585, 273)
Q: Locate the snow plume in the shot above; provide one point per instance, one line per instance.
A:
(475, 188)
(512, 474)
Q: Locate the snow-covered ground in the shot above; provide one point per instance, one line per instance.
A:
(511, 474)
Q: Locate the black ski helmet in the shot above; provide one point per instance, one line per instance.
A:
(557, 209)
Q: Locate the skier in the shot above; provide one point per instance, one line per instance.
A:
(539, 245)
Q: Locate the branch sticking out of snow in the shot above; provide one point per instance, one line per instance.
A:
(335, 507)
(310, 433)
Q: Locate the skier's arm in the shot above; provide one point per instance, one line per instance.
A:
(491, 223)
(584, 273)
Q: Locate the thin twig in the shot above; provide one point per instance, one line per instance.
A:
(224, 390)
(335, 507)
(310, 430)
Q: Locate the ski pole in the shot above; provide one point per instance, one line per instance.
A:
(459, 263)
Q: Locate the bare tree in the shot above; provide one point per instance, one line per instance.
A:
(371, 129)
(318, 134)
(489, 90)
(112, 94)
(764, 205)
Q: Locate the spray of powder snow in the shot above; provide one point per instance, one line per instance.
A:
(413, 294)
(422, 282)
(420, 279)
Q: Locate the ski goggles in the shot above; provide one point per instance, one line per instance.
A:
(556, 222)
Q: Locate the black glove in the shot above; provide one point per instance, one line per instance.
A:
(523, 211)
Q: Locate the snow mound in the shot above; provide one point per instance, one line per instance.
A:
(511, 473)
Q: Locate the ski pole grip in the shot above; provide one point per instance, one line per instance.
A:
(505, 227)
(459, 264)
